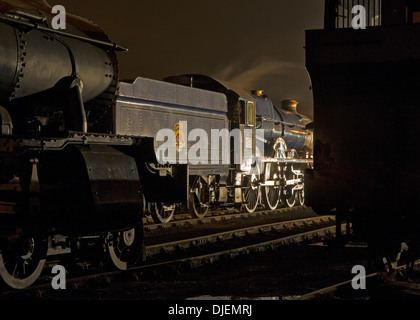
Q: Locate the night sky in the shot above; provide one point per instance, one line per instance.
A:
(252, 44)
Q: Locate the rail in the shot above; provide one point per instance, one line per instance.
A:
(190, 254)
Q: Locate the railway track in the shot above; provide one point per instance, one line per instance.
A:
(184, 219)
(194, 252)
(252, 234)
(399, 284)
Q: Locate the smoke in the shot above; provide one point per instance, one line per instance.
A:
(248, 76)
(280, 80)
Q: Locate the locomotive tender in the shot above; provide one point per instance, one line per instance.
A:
(78, 162)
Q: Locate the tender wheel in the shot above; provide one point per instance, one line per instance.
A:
(125, 248)
(198, 209)
(271, 194)
(251, 196)
(163, 212)
(22, 260)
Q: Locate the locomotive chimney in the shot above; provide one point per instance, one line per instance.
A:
(290, 105)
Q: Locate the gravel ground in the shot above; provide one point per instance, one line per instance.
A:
(280, 275)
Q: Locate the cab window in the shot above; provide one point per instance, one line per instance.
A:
(250, 113)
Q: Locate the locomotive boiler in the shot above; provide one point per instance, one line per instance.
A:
(66, 180)
(282, 122)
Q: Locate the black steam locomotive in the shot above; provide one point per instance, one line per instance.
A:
(80, 158)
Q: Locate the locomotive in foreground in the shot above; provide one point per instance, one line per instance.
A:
(84, 156)
(63, 187)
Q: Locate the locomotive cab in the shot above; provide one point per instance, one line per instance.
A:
(247, 127)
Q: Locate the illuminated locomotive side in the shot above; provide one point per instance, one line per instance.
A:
(287, 150)
(275, 148)
(366, 119)
(178, 117)
(240, 149)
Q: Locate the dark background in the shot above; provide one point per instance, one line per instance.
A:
(252, 44)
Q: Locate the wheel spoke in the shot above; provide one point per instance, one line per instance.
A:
(23, 268)
(250, 197)
(15, 274)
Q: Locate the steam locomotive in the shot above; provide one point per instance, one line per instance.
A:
(265, 168)
(80, 162)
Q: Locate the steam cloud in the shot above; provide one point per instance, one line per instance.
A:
(281, 80)
(252, 76)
